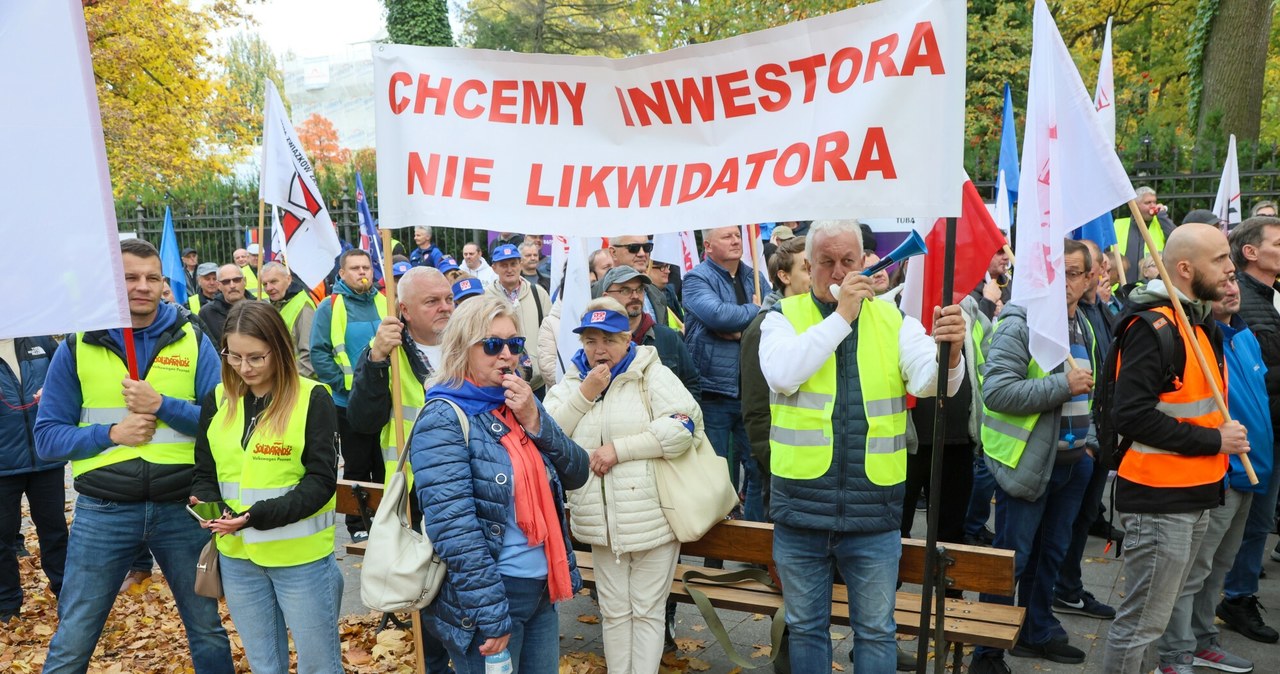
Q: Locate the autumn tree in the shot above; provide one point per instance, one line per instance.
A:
(319, 139)
(420, 22)
(601, 27)
(246, 65)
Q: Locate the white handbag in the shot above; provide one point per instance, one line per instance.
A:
(401, 571)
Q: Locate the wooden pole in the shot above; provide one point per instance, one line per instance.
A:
(397, 423)
(1185, 324)
(1009, 251)
(755, 261)
(262, 207)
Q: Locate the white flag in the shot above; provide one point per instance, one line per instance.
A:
(288, 181)
(753, 247)
(277, 236)
(573, 303)
(1104, 96)
(1070, 175)
(559, 260)
(1227, 205)
(55, 179)
(1003, 208)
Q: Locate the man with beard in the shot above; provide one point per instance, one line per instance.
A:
(291, 298)
(1171, 474)
(634, 251)
(214, 314)
(627, 286)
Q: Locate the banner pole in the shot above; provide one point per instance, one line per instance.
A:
(131, 354)
(1185, 324)
(755, 260)
(262, 249)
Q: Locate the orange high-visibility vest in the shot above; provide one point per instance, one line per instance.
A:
(1190, 402)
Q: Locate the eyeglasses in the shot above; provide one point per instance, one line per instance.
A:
(255, 361)
(1075, 275)
(493, 345)
(624, 291)
(229, 281)
(660, 266)
(635, 248)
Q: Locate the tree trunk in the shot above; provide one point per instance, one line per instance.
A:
(1235, 61)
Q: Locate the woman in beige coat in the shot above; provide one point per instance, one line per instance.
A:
(622, 404)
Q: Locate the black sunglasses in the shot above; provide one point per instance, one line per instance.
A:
(493, 345)
(635, 248)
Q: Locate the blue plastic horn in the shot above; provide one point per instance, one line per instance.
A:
(913, 246)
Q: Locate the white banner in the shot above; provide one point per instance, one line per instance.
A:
(60, 236)
(859, 113)
(1227, 204)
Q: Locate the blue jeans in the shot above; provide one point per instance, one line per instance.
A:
(806, 560)
(1070, 579)
(1039, 532)
(722, 420)
(1242, 579)
(535, 632)
(269, 603)
(47, 496)
(984, 487)
(106, 537)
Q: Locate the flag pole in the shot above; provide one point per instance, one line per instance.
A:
(131, 354)
(934, 581)
(262, 249)
(1185, 325)
(755, 261)
(397, 423)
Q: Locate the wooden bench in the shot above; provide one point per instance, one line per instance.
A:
(971, 569)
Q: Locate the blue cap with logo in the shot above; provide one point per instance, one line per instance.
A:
(465, 288)
(506, 252)
(398, 269)
(604, 319)
(447, 264)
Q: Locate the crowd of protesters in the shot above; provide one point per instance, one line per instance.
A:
(803, 374)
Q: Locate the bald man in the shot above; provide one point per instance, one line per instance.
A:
(1171, 474)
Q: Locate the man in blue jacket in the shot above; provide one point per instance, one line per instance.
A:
(1191, 638)
(132, 451)
(23, 364)
(718, 305)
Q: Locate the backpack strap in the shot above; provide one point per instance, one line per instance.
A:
(1172, 353)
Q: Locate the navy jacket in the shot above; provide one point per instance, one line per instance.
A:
(465, 491)
(712, 315)
(18, 422)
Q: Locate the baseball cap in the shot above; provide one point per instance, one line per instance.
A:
(618, 275)
(1201, 215)
(188, 250)
(782, 233)
(466, 288)
(254, 249)
(398, 269)
(447, 264)
(206, 268)
(505, 252)
(604, 319)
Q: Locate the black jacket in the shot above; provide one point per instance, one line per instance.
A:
(214, 315)
(1259, 313)
(369, 403)
(675, 355)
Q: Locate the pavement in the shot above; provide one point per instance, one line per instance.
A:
(1103, 576)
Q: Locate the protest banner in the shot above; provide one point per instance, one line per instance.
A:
(852, 114)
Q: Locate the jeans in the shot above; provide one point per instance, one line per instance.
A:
(1242, 579)
(956, 483)
(1039, 532)
(1070, 583)
(722, 418)
(1191, 625)
(1158, 551)
(269, 603)
(806, 560)
(361, 460)
(106, 536)
(984, 488)
(535, 632)
(46, 495)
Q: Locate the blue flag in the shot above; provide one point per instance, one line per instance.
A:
(370, 240)
(171, 260)
(1009, 174)
(1100, 230)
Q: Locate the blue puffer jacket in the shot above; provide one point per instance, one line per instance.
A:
(466, 491)
(711, 310)
(17, 426)
(844, 498)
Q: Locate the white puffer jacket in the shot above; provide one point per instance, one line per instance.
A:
(621, 510)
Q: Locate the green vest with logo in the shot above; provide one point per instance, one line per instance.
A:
(172, 374)
(338, 334)
(268, 466)
(801, 437)
(412, 398)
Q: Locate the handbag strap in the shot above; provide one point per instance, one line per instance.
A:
(714, 623)
(462, 420)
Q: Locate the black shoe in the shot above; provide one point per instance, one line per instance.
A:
(991, 664)
(1243, 616)
(1085, 604)
(984, 537)
(1054, 650)
(922, 503)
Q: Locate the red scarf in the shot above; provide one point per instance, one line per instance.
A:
(535, 508)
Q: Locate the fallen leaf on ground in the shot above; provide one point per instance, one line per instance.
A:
(589, 619)
(690, 644)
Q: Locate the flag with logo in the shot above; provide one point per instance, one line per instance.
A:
(370, 240)
(1102, 229)
(1072, 176)
(1227, 205)
(288, 181)
(678, 248)
(171, 260)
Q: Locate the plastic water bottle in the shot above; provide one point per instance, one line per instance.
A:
(498, 664)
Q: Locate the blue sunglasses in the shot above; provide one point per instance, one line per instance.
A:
(493, 345)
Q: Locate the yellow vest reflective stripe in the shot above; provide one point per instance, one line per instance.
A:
(1005, 436)
(270, 466)
(338, 334)
(1122, 236)
(293, 308)
(250, 279)
(412, 398)
(172, 373)
(801, 435)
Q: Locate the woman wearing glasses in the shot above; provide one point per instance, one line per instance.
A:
(493, 498)
(266, 455)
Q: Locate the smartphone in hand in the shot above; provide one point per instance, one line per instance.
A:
(203, 512)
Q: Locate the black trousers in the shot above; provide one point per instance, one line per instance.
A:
(362, 460)
(47, 497)
(957, 482)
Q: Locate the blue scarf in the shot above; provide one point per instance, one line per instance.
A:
(580, 362)
(471, 398)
